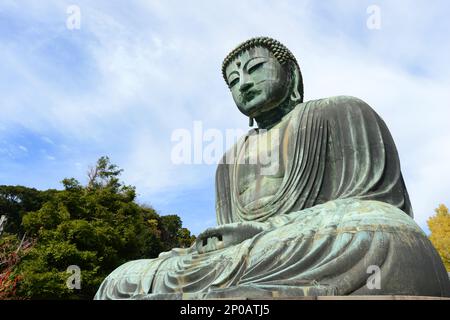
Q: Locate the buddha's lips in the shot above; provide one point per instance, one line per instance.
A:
(249, 95)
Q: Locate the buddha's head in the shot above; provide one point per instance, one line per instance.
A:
(263, 76)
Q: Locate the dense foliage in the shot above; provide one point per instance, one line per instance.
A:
(439, 225)
(15, 201)
(96, 227)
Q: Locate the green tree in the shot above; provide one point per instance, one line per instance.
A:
(15, 201)
(96, 227)
(439, 225)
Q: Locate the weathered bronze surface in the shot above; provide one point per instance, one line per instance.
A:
(328, 208)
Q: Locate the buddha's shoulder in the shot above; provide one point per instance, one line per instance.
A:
(336, 104)
(343, 99)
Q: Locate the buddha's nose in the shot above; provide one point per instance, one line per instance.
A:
(245, 86)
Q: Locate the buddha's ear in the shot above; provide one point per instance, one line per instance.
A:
(296, 96)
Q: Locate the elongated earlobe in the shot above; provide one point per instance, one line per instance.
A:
(296, 95)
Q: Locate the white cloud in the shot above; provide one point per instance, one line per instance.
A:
(48, 140)
(149, 68)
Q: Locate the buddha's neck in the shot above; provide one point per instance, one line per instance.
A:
(272, 117)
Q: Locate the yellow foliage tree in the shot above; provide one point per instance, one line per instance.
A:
(439, 225)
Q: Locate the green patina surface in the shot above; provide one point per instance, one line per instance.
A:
(328, 205)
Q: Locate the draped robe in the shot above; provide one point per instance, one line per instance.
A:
(340, 223)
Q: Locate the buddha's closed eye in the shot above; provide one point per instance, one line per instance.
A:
(256, 67)
(234, 82)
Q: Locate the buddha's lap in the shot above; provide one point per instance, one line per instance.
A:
(332, 244)
(337, 227)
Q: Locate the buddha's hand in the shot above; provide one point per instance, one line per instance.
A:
(226, 235)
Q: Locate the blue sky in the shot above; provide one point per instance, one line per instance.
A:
(136, 71)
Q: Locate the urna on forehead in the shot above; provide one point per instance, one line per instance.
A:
(280, 51)
(241, 59)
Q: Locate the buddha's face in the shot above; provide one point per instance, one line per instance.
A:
(258, 82)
